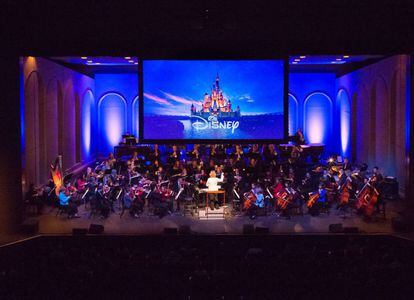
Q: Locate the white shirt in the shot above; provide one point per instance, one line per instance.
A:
(212, 182)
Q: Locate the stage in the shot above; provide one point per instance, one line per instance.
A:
(145, 224)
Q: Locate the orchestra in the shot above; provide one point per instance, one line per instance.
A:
(259, 178)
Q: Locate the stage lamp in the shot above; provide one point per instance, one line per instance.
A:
(295, 62)
(303, 56)
(346, 56)
(338, 59)
(131, 61)
(331, 160)
(127, 57)
(297, 59)
(89, 61)
(135, 63)
(84, 57)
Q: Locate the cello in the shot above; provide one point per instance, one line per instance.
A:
(250, 199)
(283, 198)
(313, 197)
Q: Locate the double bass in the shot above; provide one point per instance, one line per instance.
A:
(345, 192)
(367, 199)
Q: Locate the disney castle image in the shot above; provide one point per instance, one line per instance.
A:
(216, 104)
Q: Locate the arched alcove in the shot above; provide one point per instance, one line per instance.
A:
(51, 121)
(380, 124)
(31, 157)
(112, 120)
(78, 143)
(69, 128)
(354, 132)
(86, 123)
(363, 125)
(135, 116)
(317, 117)
(344, 120)
(393, 117)
(60, 118)
(293, 114)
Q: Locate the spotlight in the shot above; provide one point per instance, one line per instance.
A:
(84, 57)
(127, 57)
(303, 56)
(339, 59)
(333, 62)
(331, 160)
(89, 61)
(98, 63)
(297, 59)
(295, 62)
(346, 56)
(131, 61)
(135, 63)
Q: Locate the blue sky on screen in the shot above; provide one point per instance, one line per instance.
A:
(170, 87)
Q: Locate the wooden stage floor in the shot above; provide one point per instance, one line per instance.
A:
(50, 223)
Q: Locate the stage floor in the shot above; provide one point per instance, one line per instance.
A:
(50, 223)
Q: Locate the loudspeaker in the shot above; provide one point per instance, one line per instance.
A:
(29, 226)
(351, 230)
(389, 188)
(336, 228)
(248, 229)
(261, 230)
(96, 229)
(184, 229)
(79, 231)
(170, 230)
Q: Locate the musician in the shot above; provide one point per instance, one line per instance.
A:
(213, 153)
(239, 153)
(270, 154)
(155, 154)
(342, 177)
(254, 152)
(195, 154)
(212, 185)
(174, 155)
(322, 201)
(376, 178)
(299, 138)
(104, 204)
(135, 197)
(66, 203)
(347, 165)
(111, 160)
(259, 202)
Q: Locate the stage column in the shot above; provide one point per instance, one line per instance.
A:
(10, 157)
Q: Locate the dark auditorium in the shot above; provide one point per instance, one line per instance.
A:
(207, 149)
